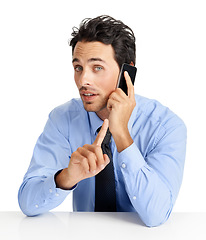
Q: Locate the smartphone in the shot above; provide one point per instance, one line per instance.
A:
(121, 83)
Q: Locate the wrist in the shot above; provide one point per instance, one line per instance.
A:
(122, 140)
(62, 180)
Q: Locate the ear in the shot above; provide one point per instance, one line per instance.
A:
(132, 64)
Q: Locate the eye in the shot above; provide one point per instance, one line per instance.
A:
(98, 68)
(78, 68)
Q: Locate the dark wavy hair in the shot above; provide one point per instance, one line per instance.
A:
(107, 30)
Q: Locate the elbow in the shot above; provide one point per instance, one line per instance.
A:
(26, 206)
(156, 217)
(154, 221)
(28, 211)
(157, 212)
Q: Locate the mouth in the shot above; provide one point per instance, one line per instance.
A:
(88, 97)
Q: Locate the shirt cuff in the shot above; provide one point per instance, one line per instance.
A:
(50, 188)
(131, 159)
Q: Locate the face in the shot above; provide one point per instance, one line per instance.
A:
(95, 73)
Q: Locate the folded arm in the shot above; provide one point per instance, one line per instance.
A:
(38, 192)
(153, 181)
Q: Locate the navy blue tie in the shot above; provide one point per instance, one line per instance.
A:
(105, 195)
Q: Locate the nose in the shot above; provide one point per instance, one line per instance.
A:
(85, 78)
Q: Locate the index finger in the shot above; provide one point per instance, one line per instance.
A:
(130, 86)
(100, 137)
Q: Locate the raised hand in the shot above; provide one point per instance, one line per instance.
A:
(120, 107)
(85, 162)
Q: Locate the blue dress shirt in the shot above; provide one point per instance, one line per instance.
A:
(148, 174)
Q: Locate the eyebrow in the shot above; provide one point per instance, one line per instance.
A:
(90, 60)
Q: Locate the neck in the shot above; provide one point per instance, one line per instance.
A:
(103, 114)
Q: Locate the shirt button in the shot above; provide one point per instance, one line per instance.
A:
(56, 194)
(123, 165)
(36, 206)
(50, 190)
(134, 198)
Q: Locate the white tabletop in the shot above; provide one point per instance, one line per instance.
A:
(117, 226)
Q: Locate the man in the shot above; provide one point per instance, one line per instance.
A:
(148, 140)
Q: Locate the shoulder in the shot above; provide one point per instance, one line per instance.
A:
(74, 105)
(158, 121)
(156, 112)
(63, 115)
(67, 110)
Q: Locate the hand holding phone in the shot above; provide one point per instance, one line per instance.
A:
(121, 83)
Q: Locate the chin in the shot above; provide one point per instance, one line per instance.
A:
(91, 107)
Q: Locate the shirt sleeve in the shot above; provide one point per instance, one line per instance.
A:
(38, 192)
(153, 178)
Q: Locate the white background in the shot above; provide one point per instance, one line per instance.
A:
(36, 75)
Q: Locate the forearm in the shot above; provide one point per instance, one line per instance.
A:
(149, 195)
(39, 194)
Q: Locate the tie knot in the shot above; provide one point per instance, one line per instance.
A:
(107, 137)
